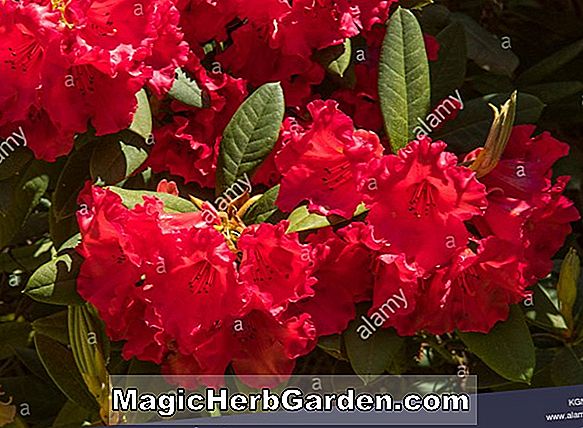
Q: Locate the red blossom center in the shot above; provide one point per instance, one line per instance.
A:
(422, 199)
(336, 175)
(204, 278)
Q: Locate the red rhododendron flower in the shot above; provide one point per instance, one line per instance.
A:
(322, 164)
(525, 209)
(189, 146)
(278, 38)
(431, 46)
(361, 103)
(81, 63)
(345, 277)
(525, 168)
(473, 292)
(419, 200)
(181, 298)
(275, 265)
(206, 20)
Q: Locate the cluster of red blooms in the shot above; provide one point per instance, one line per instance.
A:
(196, 299)
(66, 65)
(461, 249)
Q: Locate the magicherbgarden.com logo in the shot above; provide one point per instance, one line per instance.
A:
(289, 400)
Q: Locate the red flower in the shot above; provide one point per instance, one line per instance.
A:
(419, 200)
(205, 20)
(396, 292)
(80, 63)
(525, 168)
(189, 146)
(361, 103)
(275, 265)
(474, 292)
(525, 209)
(345, 277)
(181, 297)
(372, 12)
(322, 164)
(431, 46)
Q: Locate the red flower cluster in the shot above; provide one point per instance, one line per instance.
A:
(189, 146)
(201, 295)
(66, 65)
(461, 249)
(195, 301)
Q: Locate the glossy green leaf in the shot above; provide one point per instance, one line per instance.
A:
(567, 367)
(72, 179)
(250, 135)
(116, 157)
(18, 197)
(55, 281)
(507, 349)
(554, 91)
(470, 128)
(301, 219)
(550, 65)
(142, 120)
(60, 365)
(404, 84)
(264, 208)
(370, 357)
(13, 335)
(53, 326)
(186, 90)
(449, 70)
(15, 163)
(485, 49)
(338, 59)
(172, 204)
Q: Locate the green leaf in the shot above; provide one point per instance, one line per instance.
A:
(264, 208)
(116, 157)
(337, 58)
(250, 135)
(30, 359)
(544, 313)
(172, 204)
(550, 65)
(470, 128)
(71, 415)
(42, 397)
(53, 326)
(15, 163)
(55, 281)
(370, 357)
(332, 345)
(449, 71)
(301, 219)
(61, 367)
(186, 90)
(552, 92)
(485, 49)
(13, 335)
(72, 179)
(27, 258)
(404, 87)
(507, 349)
(142, 121)
(567, 367)
(18, 197)
(415, 4)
